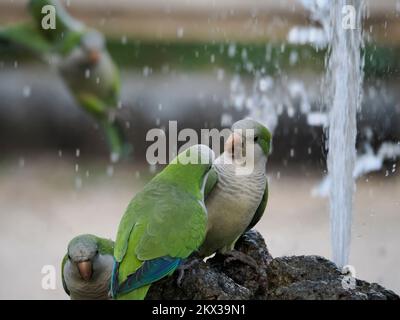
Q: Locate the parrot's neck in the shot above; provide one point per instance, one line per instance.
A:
(187, 177)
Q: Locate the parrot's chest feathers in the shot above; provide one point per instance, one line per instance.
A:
(233, 202)
(94, 289)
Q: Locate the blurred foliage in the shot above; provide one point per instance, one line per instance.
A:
(271, 58)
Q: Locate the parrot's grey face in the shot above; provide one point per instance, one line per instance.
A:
(92, 45)
(248, 135)
(83, 252)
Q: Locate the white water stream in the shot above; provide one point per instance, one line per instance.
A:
(343, 98)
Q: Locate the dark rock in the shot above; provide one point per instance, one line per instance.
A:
(199, 283)
(244, 272)
(250, 272)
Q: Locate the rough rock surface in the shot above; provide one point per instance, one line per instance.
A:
(252, 273)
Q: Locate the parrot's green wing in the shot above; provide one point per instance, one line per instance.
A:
(148, 222)
(260, 210)
(212, 180)
(153, 238)
(64, 261)
(27, 36)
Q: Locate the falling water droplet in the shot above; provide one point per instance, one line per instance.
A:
(114, 157)
(220, 74)
(110, 170)
(179, 32)
(77, 153)
(26, 91)
(146, 71)
(231, 50)
(78, 182)
(226, 120)
(21, 162)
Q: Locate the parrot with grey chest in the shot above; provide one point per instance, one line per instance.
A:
(236, 192)
(86, 268)
(80, 56)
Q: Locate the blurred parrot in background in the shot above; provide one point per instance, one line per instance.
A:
(162, 225)
(81, 57)
(87, 266)
(236, 200)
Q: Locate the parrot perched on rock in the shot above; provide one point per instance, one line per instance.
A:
(87, 266)
(81, 58)
(162, 225)
(236, 200)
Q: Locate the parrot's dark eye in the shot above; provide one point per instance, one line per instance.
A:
(255, 139)
(69, 257)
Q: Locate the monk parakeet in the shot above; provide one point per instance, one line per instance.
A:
(236, 198)
(86, 268)
(81, 57)
(162, 225)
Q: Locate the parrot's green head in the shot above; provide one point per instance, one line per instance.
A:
(249, 132)
(189, 169)
(82, 252)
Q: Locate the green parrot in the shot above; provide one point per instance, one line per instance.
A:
(162, 225)
(81, 58)
(86, 268)
(236, 199)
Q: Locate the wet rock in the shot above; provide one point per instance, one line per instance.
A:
(250, 272)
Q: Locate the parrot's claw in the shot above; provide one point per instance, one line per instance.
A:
(183, 267)
(235, 255)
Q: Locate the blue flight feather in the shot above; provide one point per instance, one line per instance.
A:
(150, 271)
(114, 279)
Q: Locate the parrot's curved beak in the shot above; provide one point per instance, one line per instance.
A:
(233, 144)
(85, 269)
(94, 56)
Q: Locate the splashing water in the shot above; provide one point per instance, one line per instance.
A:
(343, 93)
